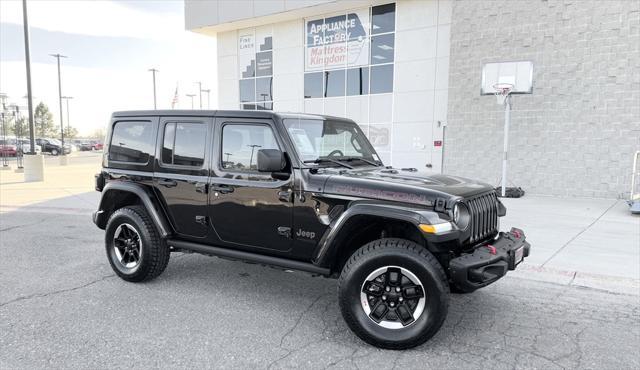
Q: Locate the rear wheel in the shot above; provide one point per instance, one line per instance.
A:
(393, 294)
(133, 246)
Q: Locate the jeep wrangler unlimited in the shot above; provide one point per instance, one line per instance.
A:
(304, 192)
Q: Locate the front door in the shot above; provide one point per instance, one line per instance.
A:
(181, 172)
(248, 209)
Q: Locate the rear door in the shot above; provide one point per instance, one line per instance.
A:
(181, 172)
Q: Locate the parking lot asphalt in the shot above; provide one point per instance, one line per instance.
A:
(62, 307)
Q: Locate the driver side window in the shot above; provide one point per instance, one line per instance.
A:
(240, 145)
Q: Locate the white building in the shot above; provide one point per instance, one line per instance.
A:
(402, 69)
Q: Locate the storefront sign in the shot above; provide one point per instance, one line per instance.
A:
(338, 41)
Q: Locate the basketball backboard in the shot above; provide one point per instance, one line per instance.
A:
(519, 74)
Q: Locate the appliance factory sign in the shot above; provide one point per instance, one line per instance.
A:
(338, 41)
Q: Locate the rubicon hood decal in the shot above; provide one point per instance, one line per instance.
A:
(401, 186)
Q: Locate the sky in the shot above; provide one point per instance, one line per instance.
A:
(110, 46)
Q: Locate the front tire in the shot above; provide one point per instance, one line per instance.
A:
(54, 151)
(393, 294)
(134, 249)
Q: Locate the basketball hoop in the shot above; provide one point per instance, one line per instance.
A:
(502, 91)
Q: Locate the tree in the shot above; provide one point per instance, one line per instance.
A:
(21, 128)
(98, 133)
(70, 132)
(44, 121)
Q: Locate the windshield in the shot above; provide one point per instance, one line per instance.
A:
(316, 139)
(55, 141)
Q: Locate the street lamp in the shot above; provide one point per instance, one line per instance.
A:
(58, 56)
(253, 147)
(191, 96)
(200, 92)
(207, 91)
(153, 71)
(27, 59)
(66, 98)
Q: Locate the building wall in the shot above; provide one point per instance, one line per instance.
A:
(404, 122)
(575, 135)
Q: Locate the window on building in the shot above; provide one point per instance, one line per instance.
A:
(335, 83)
(131, 141)
(313, 85)
(358, 81)
(240, 145)
(381, 79)
(255, 57)
(340, 49)
(184, 144)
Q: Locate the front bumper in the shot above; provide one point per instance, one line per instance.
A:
(490, 261)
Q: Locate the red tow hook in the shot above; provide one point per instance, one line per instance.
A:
(516, 233)
(491, 248)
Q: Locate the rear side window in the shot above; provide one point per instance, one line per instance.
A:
(184, 144)
(131, 141)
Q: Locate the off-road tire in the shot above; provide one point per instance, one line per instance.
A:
(405, 254)
(155, 252)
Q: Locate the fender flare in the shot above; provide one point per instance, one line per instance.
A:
(100, 217)
(327, 247)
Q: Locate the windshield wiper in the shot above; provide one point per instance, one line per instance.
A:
(325, 160)
(349, 159)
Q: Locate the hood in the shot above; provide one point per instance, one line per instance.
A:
(401, 185)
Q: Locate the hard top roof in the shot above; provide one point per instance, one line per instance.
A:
(222, 113)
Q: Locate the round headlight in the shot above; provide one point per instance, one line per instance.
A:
(461, 216)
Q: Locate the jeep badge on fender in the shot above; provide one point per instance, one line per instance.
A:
(304, 192)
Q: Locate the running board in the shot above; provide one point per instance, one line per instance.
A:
(249, 257)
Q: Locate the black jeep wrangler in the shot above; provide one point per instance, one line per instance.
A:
(303, 192)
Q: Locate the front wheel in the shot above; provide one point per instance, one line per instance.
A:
(393, 294)
(54, 151)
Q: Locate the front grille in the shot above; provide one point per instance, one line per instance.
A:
(484, 216)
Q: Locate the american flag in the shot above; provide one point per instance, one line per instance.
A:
(174, 102)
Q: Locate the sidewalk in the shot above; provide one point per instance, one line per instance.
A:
(583, 242)
(66, 189)
(576, 241)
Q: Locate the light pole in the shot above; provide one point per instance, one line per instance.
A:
(253, 147)
(200, 92)
(191, 96)
(58, 56)
(27, 57)
(153, 71)
(66, 98)
(207, 91)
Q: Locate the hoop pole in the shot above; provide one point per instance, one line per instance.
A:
(507, 122)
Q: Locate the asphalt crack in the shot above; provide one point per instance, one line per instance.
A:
(55, 292)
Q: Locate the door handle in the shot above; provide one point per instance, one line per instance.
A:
(201, 187)
(168, 183)
(222, 189)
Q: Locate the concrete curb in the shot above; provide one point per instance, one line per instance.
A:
(612, 284)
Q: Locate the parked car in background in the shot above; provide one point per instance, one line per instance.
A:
(24, 146)
(97, 145)
(8, 148)
(53, 146)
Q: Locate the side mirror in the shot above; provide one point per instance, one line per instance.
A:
(271, 160)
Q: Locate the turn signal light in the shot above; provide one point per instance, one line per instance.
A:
(437, 228)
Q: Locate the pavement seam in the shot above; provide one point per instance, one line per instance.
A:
(55, 292)
(580, 233)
